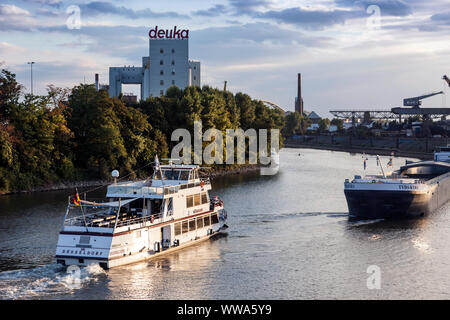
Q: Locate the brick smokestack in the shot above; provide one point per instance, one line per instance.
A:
(299, 99)
(96, 81)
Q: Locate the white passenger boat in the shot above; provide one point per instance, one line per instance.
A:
(141, 220)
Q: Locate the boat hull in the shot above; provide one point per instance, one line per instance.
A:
(370, 201)
(376, 204)
(130, 259)
(109, 252)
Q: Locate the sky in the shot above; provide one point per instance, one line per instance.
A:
(352, 54)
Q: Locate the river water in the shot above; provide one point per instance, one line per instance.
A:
(289, 237)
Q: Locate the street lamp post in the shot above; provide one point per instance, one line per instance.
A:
(31, 65)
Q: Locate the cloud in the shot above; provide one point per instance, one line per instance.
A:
(313, 19)
(247, 6)
(215, 11)
(101, 7)
(8, 48)
(102, 39)
(13, 18)
(259, 32)
(53, 3)
(397, 8)
(441, 18)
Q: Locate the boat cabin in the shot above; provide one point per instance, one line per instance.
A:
(173, 191)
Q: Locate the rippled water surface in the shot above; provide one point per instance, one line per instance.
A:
(289, 238)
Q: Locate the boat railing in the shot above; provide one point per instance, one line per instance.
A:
(136, 220)
(108, 220)
(80, 219)
(163, 190)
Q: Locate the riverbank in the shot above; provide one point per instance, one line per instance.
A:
(421, 148)
(366, 150)
(61, 186)
(210, 173)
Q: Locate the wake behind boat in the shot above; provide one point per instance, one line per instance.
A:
(141, 220)
(416, 189)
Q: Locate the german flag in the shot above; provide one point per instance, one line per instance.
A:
(76, 199)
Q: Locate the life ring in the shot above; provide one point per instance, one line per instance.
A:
(202, 183)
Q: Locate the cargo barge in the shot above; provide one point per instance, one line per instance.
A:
(415, 190)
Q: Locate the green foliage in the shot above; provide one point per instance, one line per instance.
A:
(82, 133)
(295, 124)
(323, 124)
(339, 123)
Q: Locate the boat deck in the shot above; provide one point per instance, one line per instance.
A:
(106, 220)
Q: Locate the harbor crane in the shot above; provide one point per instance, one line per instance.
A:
(415, 102)
(446, 79)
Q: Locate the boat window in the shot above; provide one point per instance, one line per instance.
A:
(206, 221)
(177, 228)
(192, 225)
(171, 174)
(156, 205)
(185, 226)
(195, 174)
(170, 207)
(199, 222)
(214, 218)
(157, 175)
(85, 239)
(204, 197)
(189, 201)
(197, 199)
(184, 175)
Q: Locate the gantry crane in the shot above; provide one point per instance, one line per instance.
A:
(446, 79)
(415, 102)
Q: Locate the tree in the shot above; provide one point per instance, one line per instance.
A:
(140, 140)
(99, 144)
(324, 124)
(246, 110)
(339, 123)
(9, 93)
(295, 124)
(82, 133)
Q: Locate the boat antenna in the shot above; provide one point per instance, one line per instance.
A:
(171, 160)
(158, 167)
(381, 166)
(364, 163)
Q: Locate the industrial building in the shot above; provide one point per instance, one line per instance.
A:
(167, 65)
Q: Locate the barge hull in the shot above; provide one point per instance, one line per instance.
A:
(376, 204)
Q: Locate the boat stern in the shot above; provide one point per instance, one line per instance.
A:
(81, 248)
